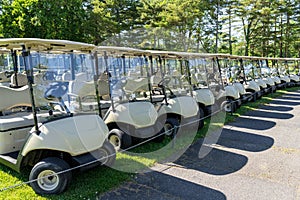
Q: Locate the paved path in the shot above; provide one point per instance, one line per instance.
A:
(256, 157)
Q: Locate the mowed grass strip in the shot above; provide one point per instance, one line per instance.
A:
(90, 184)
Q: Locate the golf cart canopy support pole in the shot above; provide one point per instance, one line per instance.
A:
(15, 63)
(163, 80)
(25, 54)
(96, 66)
(109, 81)
(148, 75)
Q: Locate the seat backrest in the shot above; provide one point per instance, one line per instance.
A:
(103, 89)
(13, 97)
(3, 77)
(82, 88)
(21, 80)
(136, 85)
(82, 76)
(66, 76)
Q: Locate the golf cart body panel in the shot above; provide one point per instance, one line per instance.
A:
(138, 114)
(204, 96)
(232, 92)
(184, 106)
(240, 88)
(74, 138)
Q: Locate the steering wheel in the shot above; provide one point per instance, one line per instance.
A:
(164, 81)
(56, 90)
(8, 74)
(49, 76)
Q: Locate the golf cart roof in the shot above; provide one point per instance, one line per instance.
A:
(119, 51)
(177, 54)
(45, 45)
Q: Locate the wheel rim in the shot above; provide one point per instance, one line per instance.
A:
(168, 129)
(48, 180)
(227, 107)
(103, 156)
(115, 140)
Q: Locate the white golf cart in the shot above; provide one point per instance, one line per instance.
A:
(181, 84)
(228, 97)
(233, 75)
(280, 72)
(265, 74)
(248, 80)
(37, 130)
(129, 117)
(287, 68)
(171, 93)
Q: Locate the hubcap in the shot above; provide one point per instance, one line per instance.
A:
(103, 156)
(168, 129)
(48, 180)
(115, 140)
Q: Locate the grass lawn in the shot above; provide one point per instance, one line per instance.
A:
(89, 184)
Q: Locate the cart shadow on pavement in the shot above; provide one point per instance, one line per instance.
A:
(216, 162)
(245, 141)
(276, 108)
(266, 114)
(288, 97)
(251, 123)
(285, 103)
(157, 185)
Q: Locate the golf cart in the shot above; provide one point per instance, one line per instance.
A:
(288, 69)
(265, 73)
(171, 92)
(280, 72)
(232, 68)
(181, 84)
(248, 79)
(229, 100)
(38, 131)
(129, 116)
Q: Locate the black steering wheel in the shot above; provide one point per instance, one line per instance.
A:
(164, 81)
(56, 90)
(8, 74)
(49, 76)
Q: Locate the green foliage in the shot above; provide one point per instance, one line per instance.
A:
(247, 27)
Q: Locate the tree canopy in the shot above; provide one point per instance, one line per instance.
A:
(245, 27)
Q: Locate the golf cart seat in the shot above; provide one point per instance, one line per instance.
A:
(82, 76)
(13, 97)
(136, 85)
(82, 95)
(67, 76)
(21, 80)
(4, 77)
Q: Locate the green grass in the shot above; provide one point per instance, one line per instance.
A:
(89, 184)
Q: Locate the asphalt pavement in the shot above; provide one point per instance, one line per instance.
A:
(256, 157)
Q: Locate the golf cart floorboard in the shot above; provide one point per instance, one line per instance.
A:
(10, 157)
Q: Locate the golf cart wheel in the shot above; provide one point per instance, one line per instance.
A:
(108, 154)
(254, 97)
(45, 179)
(201, 115)
(169, 127)
(229, 106)
(119, 139)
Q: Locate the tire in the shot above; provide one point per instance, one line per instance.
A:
(169, 126)
(254, 97)
(119, 139)
(229, 106)
(201, 115)
(52, 184)
(108, 152)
